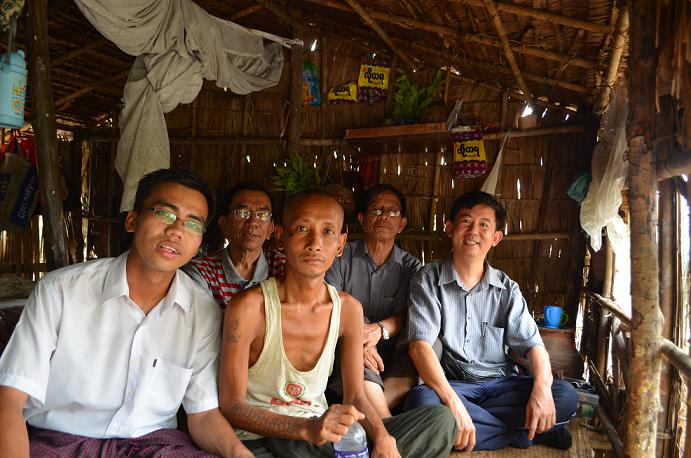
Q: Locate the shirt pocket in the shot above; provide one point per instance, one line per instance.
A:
(492, 344)
(167, 387)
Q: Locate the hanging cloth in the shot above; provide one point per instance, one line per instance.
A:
(490, 184)
(177, 45)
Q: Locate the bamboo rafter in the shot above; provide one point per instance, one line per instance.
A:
(465, 37)
(61, 59)
(64, 101)
(506, 47)
(381, 32)
(543, 15)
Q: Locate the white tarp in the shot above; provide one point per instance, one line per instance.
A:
(177, 45)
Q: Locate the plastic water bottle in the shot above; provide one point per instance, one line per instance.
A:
(353, 444)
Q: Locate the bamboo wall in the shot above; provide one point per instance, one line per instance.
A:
(230, 138)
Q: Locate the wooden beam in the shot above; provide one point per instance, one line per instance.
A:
(382, 34)
(506, 47)
(618, 44)
(67, 100)
(452, 32)
(244, 12)
(647, 320)
(673, 165)
(61, 59)
(45, 133)
(277, 10)
(543, 15)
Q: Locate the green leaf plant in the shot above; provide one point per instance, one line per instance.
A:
(298, 175)
(412, 99)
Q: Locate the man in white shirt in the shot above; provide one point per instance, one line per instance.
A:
(106, 351)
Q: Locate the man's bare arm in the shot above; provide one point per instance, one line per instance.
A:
(242, 325)
(432, 374)
(212, 432)
(14, 438)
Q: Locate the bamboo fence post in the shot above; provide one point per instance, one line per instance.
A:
(618, 44)
(296, 61)
(647, 320)
(603, 322)
(667, 237)
(687, 440)
(45, 132)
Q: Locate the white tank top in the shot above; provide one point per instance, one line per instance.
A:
(273, 383)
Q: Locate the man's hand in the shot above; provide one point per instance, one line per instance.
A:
(465, 438)
(372, 360)
(240, 451)
(333, 424)
(372, 335)
(385, 447)
(540, 413)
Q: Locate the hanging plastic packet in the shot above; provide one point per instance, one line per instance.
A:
(311, 96)
(345, 93)
(470, 159)
(373, 81)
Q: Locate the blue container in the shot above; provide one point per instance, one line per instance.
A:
(12, 90)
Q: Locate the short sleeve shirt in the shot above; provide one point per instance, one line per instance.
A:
(93, 364)
(476, 326)
(383, 290)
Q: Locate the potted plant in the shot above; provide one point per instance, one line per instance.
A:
(297, 175)
(412, 99)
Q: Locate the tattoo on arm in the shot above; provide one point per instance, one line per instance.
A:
(232, 336)
(261, 421)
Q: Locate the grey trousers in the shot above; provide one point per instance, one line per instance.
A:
(425, 432)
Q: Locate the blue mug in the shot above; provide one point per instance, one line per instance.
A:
(554, 317)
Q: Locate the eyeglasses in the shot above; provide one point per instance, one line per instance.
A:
(190, 225)
(390, 212)
(243, 213)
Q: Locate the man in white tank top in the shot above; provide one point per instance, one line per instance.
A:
(278, 349)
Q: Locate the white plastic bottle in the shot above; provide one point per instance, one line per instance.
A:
(353, 444)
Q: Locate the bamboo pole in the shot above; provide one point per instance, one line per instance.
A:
(666, 226)
(604, 321)
(296, 62)
(382, 34)
(65, 101)
(490, 68)
(452, 32)
(618, 44)
(245, 12)
(505, 7)
(506, 47)
(647, 320)
(45, 132)
(673, 165)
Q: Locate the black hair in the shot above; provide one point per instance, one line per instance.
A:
(472, 198)
(302, 195)
(244, 186)
(377, 189)
(185, 177)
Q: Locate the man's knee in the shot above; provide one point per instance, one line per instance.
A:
(421, 395)
(565, 399)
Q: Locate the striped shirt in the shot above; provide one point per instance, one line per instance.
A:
(474, 326)
(217, 273)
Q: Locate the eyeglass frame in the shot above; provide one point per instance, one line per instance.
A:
(236, 214)
(157, 210)
(391, 213)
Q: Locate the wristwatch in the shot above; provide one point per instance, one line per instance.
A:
(384, 331)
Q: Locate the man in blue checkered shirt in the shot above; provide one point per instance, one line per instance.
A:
(476, 313)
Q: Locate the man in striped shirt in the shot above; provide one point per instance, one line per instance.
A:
(246, 222)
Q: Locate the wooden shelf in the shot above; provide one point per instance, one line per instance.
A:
(414, 138)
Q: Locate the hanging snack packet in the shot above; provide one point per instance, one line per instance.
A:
(374, 79)
(345, 93)
(469, 156)
(310, 85)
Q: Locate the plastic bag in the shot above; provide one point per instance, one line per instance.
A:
(18, 189)
(609, 169)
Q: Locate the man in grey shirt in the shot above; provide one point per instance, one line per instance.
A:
(377, 273)
(476, 312)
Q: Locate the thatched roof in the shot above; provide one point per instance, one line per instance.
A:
(561, 48)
